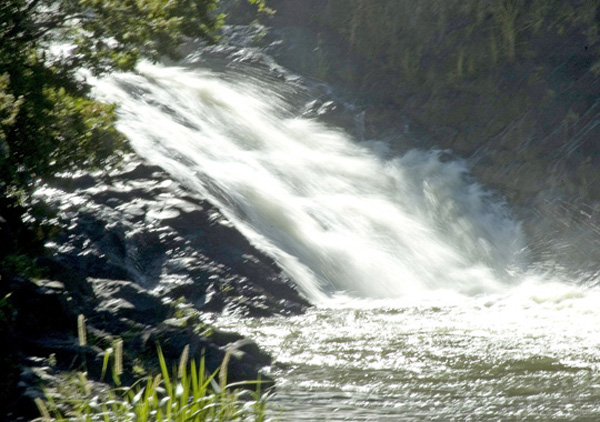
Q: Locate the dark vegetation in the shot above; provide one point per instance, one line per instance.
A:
(49, 125)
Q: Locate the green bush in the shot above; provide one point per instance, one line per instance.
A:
(185, 394)
(48, 122)
(444, 38)
(20, 264)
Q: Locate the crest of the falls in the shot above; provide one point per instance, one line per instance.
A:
(337, 216)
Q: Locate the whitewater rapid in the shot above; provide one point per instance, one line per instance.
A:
(427, 305)
(338, 216)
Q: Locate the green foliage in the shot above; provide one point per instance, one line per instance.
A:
(506, 14)
(7, 313)
(48, 122)
(85, 128)
(9, 108)
(443, 40)
(115, 33)
(107, 34)
(261, 6)
(188, 393)
(20, 264)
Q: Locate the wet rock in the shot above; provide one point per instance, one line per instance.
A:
(131, 243)
(37, 372)
(79, 180)
(245, 357)
(45, 329)
(127, 300)
(40, 307)
(136, 224)
(239, 344)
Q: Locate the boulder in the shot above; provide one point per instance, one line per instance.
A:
(136, 224)
(132, 245)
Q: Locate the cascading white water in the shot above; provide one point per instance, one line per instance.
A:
(506, 344)
(337, 217)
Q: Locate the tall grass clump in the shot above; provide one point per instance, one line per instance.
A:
(188, 393)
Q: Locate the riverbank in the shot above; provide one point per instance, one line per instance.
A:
(142, 259)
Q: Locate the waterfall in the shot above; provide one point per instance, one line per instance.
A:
(339, 217)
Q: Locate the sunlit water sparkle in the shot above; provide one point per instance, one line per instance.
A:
(533, 354)
(427, 307)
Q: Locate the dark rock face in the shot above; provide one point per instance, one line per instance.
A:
(43, 337)
(132, 245)
(136, 224)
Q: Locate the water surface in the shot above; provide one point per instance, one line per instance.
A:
(427, 306)
(533, 354)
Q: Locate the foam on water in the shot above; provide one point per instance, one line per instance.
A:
(335, 215)
(428, 308)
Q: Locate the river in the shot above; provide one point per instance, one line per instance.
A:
(427, 304)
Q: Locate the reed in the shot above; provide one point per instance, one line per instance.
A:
(81, 330)
(188, 393)
(506, 13)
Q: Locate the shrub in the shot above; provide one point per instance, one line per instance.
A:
(187, 393)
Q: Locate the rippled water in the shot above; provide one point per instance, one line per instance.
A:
(532, 354)
(335, 214)
(454, 324)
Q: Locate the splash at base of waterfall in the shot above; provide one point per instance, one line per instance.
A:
(530, 354)
(428, 307)
(337, 216)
